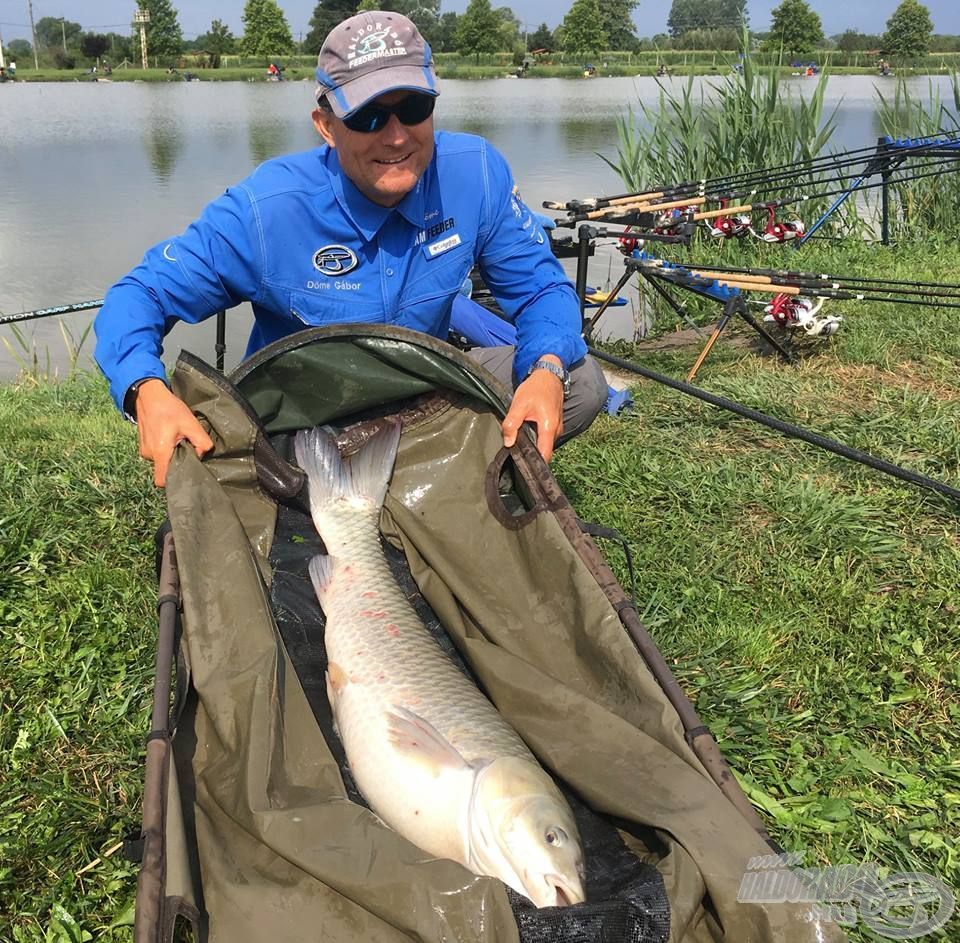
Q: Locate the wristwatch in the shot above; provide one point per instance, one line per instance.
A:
(130, 398)
(559, 372)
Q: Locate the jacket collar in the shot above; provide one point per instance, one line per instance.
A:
(368, 217)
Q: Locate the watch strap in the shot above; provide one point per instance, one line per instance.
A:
(559, 372)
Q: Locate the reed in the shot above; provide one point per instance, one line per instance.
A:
(35, 365)
(926, 205)
(747, 119)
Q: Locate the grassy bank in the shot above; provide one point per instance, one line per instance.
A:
(809, 606)
(453, 70)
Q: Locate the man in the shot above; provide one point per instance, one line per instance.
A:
(381, 224)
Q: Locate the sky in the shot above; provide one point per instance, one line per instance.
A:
(104, 16)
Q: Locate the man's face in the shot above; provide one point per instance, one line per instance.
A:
(384, 165)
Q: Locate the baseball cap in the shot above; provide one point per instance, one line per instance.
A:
(370, 54)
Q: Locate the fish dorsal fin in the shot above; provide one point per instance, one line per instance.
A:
(419, 740)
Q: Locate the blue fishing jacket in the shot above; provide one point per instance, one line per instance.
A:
(300, 242)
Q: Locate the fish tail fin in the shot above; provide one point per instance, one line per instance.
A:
(372, 464)
(321, 572)
(363, 475)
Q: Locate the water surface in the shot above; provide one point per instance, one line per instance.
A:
(91, 174)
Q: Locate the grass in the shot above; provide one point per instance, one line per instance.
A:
(808, 606)
(455, 69)
(77, 623)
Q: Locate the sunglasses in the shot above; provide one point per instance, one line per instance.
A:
(414, 109)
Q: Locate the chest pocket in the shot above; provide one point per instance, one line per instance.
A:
(437, 277)
(335, 305)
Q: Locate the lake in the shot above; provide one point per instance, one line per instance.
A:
(93, 173)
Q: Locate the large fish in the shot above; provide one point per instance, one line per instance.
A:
(431, 755)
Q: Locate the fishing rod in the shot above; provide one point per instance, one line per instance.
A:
(837, 282)
(646, 208)
(886, 151)
(791, 305)
(785, 428)
(47, 312)
(819, 276)
(748, 281)
(741, 178)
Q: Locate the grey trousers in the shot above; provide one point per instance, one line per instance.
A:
(588, 387)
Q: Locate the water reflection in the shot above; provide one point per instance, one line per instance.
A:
(267, 139)
(164, 139)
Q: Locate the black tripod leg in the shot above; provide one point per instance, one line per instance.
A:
(766, 335)
(588, 325)
(660, 290)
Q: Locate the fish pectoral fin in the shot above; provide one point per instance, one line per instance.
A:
(321, 572)
(419, 740)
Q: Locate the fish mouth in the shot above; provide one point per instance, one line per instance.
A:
(563, 893)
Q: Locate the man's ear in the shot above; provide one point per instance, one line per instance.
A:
(323, 122)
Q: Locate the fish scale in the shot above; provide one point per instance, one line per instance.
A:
(393, 654)
(430, 754)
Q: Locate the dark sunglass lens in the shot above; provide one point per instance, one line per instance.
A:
(414, 109)
(367, 119)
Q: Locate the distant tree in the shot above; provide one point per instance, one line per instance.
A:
(510, 27)
(94, 45)
(19, 49)
(425, 13)
(854, 41)
(616, 20)
(51, 30)
(164, 36)
(908, 31)
(326, 15)
(121, 47)
(710, 39)
(731, 14)
(796, 28)
(217, 40)
(446, 39)
(686, 15)
(943, 43)
(265, 29)
(478, 29)
(541, 38)
(368, 6)
(582, 32)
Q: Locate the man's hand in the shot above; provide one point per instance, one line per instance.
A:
(163, 420)
(539, 399)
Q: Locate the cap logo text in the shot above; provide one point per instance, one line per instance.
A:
(374, 42)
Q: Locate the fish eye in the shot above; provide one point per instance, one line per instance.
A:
(555, 836)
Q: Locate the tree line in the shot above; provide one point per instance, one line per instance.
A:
(588, 27)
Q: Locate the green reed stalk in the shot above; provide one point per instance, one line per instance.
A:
(748, 120)
(923, 207)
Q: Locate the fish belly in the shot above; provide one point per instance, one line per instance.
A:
(383, 663)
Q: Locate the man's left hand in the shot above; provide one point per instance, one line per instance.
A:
(539, 399)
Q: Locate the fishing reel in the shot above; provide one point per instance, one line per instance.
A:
(794, 311)
(665, 223)
(732, 227)
(781, 231)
